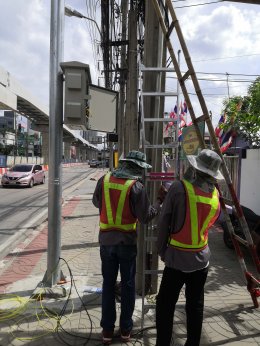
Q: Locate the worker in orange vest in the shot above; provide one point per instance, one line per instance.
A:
(190, 208)
(122, 201)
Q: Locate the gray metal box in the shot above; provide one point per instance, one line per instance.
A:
(76, 87)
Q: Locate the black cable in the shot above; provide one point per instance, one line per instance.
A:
(205, 3)
(61, 314)
(65, 306)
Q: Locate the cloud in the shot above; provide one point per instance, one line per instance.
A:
(221, 38)
(25, 43)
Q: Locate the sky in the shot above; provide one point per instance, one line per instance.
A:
(223, 39)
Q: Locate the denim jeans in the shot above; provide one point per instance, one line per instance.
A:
(172, 282)
(114, 258)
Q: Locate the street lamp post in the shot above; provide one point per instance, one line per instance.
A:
(70, 12)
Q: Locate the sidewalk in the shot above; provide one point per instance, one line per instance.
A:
(230, 318)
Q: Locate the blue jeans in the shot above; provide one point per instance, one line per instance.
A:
(113, 258)
(172, 282)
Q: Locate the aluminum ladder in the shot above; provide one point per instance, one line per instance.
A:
(149, 238)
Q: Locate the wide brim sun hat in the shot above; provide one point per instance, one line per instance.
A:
(207, 161)
(136, 157)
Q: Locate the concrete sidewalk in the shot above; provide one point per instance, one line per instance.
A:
(230, 318)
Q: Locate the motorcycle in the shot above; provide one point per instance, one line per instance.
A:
(253, 221)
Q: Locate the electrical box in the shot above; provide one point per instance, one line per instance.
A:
(103, 107)
(76, 101)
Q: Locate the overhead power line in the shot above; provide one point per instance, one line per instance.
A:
(202, 4)
(227, 57)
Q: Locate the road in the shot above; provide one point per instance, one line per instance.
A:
(24, 209)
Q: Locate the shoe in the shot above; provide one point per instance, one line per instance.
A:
(107, 336)
(125, 335)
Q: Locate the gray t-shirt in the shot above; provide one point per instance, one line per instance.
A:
(171, 220)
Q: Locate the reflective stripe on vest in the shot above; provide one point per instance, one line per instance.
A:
(199, 238)
(121, 203)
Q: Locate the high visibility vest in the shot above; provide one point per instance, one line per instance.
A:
(115, 212)
(202, 210)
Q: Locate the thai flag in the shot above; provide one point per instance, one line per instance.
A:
(218, 130)
(225, 138)
(180, 131)
(173, 115)
(183, 114)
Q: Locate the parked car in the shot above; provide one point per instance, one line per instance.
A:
(23, 175)
(93, 163)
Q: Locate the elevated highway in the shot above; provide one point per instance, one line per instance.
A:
(13, 96)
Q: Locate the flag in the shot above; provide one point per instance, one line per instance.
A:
(182, 116)
(219, 130)
(225, 138)
(180, 131)
(173, 115)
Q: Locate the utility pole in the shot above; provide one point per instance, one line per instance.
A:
(105, 40)
(53, 274)
(228, 85)
(131, 134)
(122, 81)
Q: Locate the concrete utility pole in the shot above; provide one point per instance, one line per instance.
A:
(53, 274)
(122, 81)
(131, 135)
(105, 41)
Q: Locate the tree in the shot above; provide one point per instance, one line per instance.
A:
(6, 149)
(243, 114)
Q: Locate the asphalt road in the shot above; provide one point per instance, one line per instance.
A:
(23, 209)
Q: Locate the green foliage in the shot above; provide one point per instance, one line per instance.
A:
(243, 114)
(6, 149)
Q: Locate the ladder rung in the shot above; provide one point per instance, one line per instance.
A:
(166, 120)
(158, 93)
(161, 146)
(153, 271)
(160, 176)
(185, 76)
(161, 179)
(241, 240)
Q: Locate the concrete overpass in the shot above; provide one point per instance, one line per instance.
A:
(13, 96)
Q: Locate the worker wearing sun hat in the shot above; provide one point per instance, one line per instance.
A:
(189, 210)
(122, 201)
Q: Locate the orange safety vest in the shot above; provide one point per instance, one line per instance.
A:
(115, 210)
(202, 210)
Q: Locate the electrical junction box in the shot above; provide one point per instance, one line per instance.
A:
(103, 107)
(76, 100)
